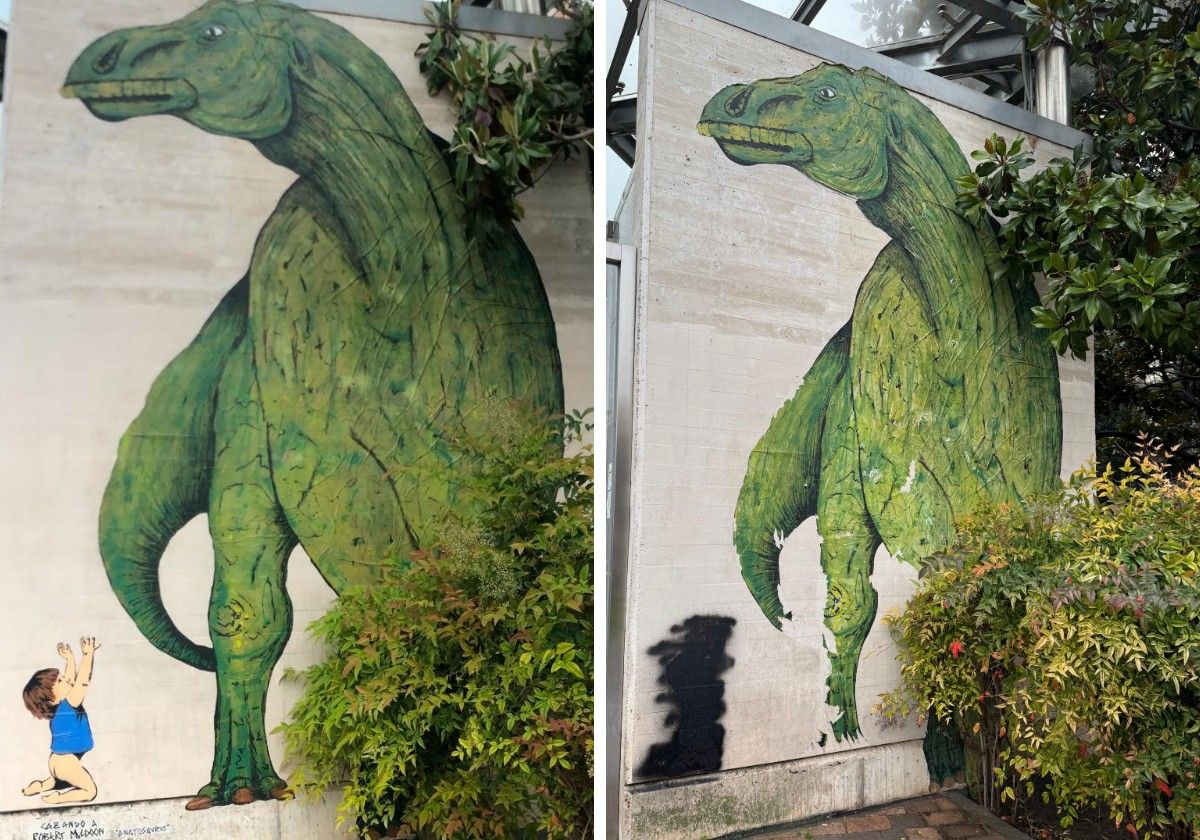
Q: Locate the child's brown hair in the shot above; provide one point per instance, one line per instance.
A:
(39, 693)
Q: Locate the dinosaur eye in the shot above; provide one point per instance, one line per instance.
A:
(827, 93)
(213, 32)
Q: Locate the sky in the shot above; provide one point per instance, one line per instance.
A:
(616, 172)
(5, 6)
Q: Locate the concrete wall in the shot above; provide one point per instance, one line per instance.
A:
(116, 242)
(745, 273)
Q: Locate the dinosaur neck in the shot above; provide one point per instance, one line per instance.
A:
(917, 210)
(360, 141)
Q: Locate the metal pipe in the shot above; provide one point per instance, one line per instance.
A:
(1053, 76)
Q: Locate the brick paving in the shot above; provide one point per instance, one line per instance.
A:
(937, 817)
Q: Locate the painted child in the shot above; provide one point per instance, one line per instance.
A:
(58, 697)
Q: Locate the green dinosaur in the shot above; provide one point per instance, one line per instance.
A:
(937, 395)
(316, 403)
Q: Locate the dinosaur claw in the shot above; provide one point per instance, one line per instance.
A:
(243, 796)
(282, 793)
(199, 803)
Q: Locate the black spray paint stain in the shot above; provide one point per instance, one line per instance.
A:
(691, 661)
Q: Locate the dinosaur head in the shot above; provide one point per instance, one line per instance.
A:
(224, 68)
(833, 124)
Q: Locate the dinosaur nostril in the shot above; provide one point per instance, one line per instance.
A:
(736, 104)
(107, 60)
(151, 50)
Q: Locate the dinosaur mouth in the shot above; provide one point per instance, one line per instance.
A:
(117, 100)
(752, 136)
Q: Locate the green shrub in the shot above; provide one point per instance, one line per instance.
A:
(1063, 641)
(456, 700)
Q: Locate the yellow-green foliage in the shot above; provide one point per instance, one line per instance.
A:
(456, 700)
(1063, 640)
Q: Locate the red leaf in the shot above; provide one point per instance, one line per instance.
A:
(1163, 786)
(956, 648)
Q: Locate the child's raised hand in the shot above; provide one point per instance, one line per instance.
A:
(88, 644)
(64, 650)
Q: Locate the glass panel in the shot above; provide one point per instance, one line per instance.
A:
(872, 23)
(612, 307)
(616, 176)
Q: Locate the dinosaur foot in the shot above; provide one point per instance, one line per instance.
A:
(240, 794)
(841, 696)
(846, 728)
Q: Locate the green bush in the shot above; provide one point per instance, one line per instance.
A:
(1063, 642)
(456, 700)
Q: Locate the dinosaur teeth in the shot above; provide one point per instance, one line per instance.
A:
(751, 134)
(165, 89)
(772, 136)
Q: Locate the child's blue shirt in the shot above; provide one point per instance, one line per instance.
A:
(70, 731)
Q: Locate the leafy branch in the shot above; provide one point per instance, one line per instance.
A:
(514, 116)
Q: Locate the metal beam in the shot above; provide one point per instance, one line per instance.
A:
(997, 11)
(470, 18)
(1017, 97)
(996, 82)
(807, 10)
(625, 147)
(621, 127)
(622, 114)
(962, 32)
(988, 50)
(624, 41)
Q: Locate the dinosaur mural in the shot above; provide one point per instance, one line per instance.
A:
(312, 407)
(937, 395)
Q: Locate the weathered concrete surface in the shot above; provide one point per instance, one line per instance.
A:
(709, 806)
(949, 816)
(165, 819)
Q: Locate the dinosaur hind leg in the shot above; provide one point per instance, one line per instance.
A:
(250, 614)
(850, 608)
(848, 545)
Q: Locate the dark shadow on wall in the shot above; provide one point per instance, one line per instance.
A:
(691, 661)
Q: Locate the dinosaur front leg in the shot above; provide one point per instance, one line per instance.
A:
(848, 545)
(250, 614)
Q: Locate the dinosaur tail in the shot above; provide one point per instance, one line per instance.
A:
(162, 475)
(780, 488)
